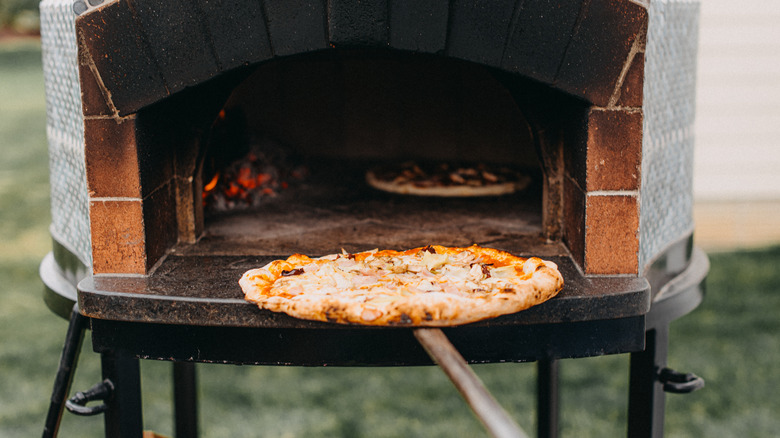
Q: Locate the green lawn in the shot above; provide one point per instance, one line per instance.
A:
(731, 340)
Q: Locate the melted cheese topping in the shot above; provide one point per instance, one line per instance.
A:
(384, 276)
(431, 286)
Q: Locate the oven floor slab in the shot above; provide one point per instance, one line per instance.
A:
(334, 208)
(204, 290)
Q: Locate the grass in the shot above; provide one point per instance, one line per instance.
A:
(731, 341)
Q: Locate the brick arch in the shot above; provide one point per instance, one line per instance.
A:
(150, 71)
(138, 52)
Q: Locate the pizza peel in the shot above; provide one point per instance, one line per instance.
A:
(495, 419)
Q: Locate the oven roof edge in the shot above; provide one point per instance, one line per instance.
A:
(142, 51)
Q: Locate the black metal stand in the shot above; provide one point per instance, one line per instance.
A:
(646, 393)
(547, 398)
(122, 389)
(123, 418)
(650, 378)
(121, 343)
(646, 396)
(65, 372)
(185, 398)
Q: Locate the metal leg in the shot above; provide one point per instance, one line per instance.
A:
(646, 397)
(123, 418)
(68, 361)
(547, 398)
(185, 399)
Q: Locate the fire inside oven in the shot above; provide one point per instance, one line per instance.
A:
(283, 165)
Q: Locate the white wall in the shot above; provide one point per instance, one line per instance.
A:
(738, 102)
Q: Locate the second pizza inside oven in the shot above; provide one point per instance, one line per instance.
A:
(360, 150)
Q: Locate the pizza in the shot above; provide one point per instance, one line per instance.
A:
(447, 179)
(426, 286)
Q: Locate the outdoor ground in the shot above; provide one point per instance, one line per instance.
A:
(731, 340)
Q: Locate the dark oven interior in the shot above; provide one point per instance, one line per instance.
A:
(309, 127)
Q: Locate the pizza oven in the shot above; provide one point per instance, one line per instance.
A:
(561, 90)
(150, 104)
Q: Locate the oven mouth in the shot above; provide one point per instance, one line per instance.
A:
(305, 154)
(334, 208)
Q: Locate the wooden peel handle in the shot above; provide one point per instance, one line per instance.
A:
(495, 419)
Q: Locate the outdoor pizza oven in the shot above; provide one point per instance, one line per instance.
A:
(152, 103)
(569, 91)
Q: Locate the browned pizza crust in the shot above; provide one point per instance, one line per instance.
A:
(430, 286)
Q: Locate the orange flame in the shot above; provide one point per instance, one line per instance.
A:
(213, 183)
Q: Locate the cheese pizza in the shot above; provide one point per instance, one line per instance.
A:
(425, 286)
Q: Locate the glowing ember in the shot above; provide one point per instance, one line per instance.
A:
(249, 181)
(210, 186)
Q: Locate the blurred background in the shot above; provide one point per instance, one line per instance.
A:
(737, 158)
(731, 339)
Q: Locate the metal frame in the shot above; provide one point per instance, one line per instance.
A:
(122, 343)
(123, 417)
(647, 388)
(67, 369)
(122, 407)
